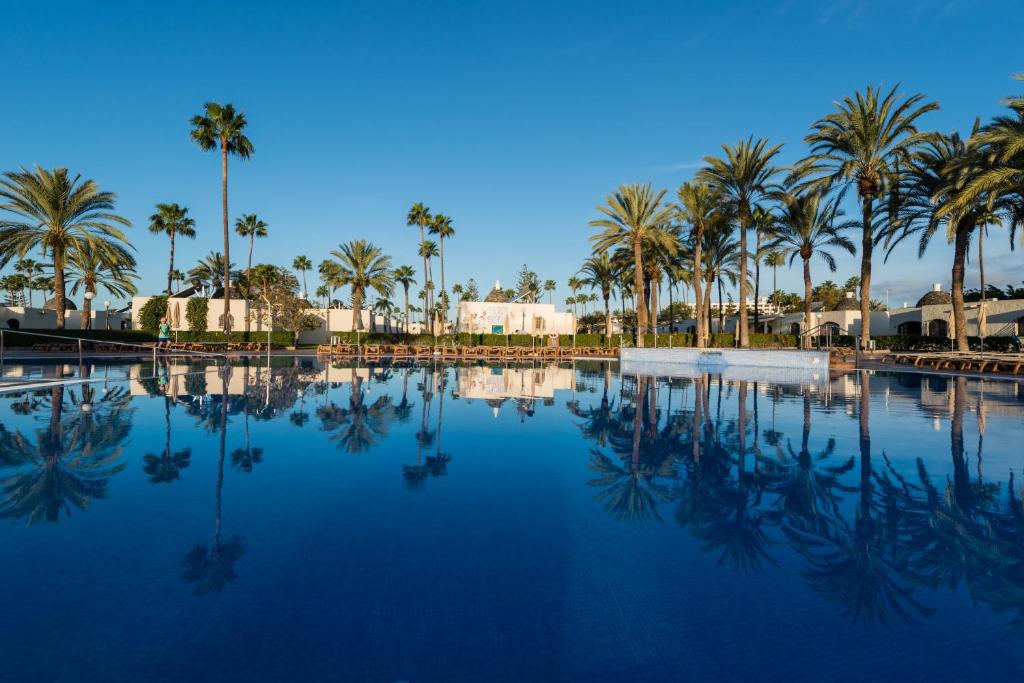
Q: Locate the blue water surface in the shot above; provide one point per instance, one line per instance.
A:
(431, 522)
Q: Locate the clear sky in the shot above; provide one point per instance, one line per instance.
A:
(515, 118)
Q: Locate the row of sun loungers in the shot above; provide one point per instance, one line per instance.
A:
(115, 347)
(984, 363)
(457, 352)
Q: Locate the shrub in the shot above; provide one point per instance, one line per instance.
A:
(151, 312)
(195, 314)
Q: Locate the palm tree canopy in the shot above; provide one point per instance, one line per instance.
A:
(406, 276)
(172, 219)
(599, 272)
(743, 175)
(59, 210)
(865, 141)
(632, 213)
(302, 263)
(364, 266)
(220, 124)
(249, 225)
(112, 268)
(808, 224)
(419, 215)
(441, 226)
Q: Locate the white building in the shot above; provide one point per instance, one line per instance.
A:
(497, 315)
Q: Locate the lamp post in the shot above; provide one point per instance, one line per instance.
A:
(89, 296)
(106, 315)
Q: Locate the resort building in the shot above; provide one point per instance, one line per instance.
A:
(497, 314)
(29, 318)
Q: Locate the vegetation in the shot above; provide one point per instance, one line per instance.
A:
(172, 220)
(363, 266)
(196, 313)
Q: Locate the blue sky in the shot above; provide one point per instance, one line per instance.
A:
(514, 118)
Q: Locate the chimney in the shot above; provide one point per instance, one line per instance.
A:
(936, 287)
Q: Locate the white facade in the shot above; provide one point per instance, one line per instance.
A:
(483, 317)
(24, 318)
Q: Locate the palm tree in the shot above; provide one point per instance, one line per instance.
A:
(698, 206)
(864, 143)
(575, 284)
(323, 292)
(419, 215)
(302, 264)
(249, 225)
(937, 176)
(330, 275)
(363, 266)
(110, 266)
(220, 125)
(177, 277)
(549, 287)
(773, 259)
(58, 211)
(172, 220)
(806, 226)
(31, 270)
(405, 276)
(763, 221)
(722, 253)
(428, 250)
(743, 177)
(209, 270)
(441, 226)
(633, 216)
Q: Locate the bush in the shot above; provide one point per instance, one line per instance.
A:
(151, 313)
(196, 312)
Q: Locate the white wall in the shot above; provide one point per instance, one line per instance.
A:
(480, 317)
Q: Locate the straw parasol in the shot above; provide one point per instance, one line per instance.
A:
(950, 326)
(982, 321)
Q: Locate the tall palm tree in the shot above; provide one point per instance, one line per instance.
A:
(428, 250)
(549, 287)
(405, 276)
(55, 212)
(302, 264)
(698, 206)
(441, 226)
(249, 225)
(221, 126)
(363, 266)
(90, 266)
(773, 259)
(599, 272)
(722, 253)
(744, 177)
(807, 226)
(938, 174)
(330, 275)
(633, 215)
(863, 144)
(420, 215)
(763, 221)
(177, 277)
(575, 285)
(172, 220)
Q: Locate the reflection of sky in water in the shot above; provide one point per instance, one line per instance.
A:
(512, 522)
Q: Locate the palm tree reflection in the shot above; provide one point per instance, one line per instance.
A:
(166, 467)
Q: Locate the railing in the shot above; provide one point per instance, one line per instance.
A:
(153, 348)
(815, 333)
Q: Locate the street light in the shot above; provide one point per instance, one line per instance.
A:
(89, 297)
(106, 315)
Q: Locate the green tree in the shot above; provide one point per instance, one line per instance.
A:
(330, 275)
(633, 215)
(110, 266)
(221, 126)
(54, 213)
(363, 266)
(209, 271)
(864, 144)
(172, 220)
(441, 226)
(249, 225)
(807, 226)
(428, 250)
(699, 205)
(302, 264)
(31, 270)
(405, 276)
(419, 215)
(773, 259)
(743, 176)
(599, 272)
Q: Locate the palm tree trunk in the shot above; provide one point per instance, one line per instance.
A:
(757, 280)
(638, 283)
(706, 322)
(444, 313)
(960, 246)
(807, 302)
(59, 298)
(170, 270)
(606, 295)
(671, 311)
(981, 261)
(248, 273)
(227, 240)
(698, 301)
(654, 305)
(357, 308)
(406, 308)
(86, 321)
(867, 246)
(721, 308)
(743, 332)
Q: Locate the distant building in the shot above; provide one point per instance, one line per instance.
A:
(496, 314)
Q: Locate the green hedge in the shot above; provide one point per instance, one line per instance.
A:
(151, 313)
(280, 337)
(196, 312)
(679, 339)
(12, 338)
(899, 342)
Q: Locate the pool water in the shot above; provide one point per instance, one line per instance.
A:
(429, 522)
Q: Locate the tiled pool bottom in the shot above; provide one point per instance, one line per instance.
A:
(521, 522)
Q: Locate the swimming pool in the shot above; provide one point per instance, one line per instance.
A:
(429, 522)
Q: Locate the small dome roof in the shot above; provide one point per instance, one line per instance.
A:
(934, 298)
(69, 305)
(848, 303)
(496, 296)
